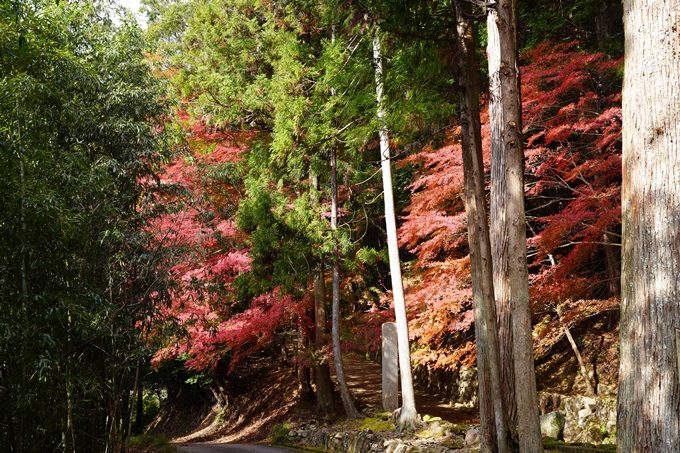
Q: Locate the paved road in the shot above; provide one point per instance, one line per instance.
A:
(228, 448)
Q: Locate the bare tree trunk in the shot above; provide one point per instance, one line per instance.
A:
(133, 399)
(612, 254)
(139, 416)
(499, 230)
(649, 390)
(345, 394)
(584, 371)
(493, 420)
(324, 385)
(305, 387)
(511, 280)
(603, 24)
(408, 415)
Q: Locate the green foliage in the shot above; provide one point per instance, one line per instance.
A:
(594, 23)
(159, 442)
(81, 122)
(279, 433)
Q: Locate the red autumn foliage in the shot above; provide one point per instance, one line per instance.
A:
(204, 322)
(572, 117)
(572, 114)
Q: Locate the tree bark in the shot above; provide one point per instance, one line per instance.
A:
(584, 371)
(304, 384)
(508, 220)
(649, 391)
(324, 385)
(499, 225)
(612, 254)
(133, 399)
(408, 415)
(493, 420)
(139, 415)
(347, 401)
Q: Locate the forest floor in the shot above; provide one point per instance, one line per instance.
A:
(267, 395)
(264, 390)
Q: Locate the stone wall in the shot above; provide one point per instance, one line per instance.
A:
(435, 437)
(458, 387)
(588, 419)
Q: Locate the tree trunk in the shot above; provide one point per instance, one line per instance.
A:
(324, 385)
(139, 415)
(408, 415)
(493, 420)
(612, 253)
(584, 371)
(499, 226)
(603, 24)
(347, 400)
(508, 221)
(304, 384)
(133, 399)
(649, 391)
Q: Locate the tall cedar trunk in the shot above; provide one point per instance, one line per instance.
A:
(511, 278)
(408, 415)
(324, 385)
(347, 400)
(649, 391)
(499, 230)
(493, 420)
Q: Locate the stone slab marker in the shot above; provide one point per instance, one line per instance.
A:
(390, 367)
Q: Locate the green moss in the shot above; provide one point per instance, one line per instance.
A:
(430, 419)
(377, 425)
(459, 429)
(279, 433)
(146, 440)
(551, 442)
(553, 445)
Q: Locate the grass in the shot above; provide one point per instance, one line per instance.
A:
(279, 433)
(156, 443)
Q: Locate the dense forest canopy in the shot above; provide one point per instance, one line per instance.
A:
(166, 194)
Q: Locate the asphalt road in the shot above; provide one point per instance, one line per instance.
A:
(228, 448)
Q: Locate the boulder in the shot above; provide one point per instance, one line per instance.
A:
(472, 437)
(552, 425)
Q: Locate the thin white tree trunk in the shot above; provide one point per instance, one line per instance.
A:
(408, 415)
(345, 394)
(649, 390)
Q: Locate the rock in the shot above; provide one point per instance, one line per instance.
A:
(583, 416)
(606, 390)
(592, 434)
(472, 437)
(552, 425)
